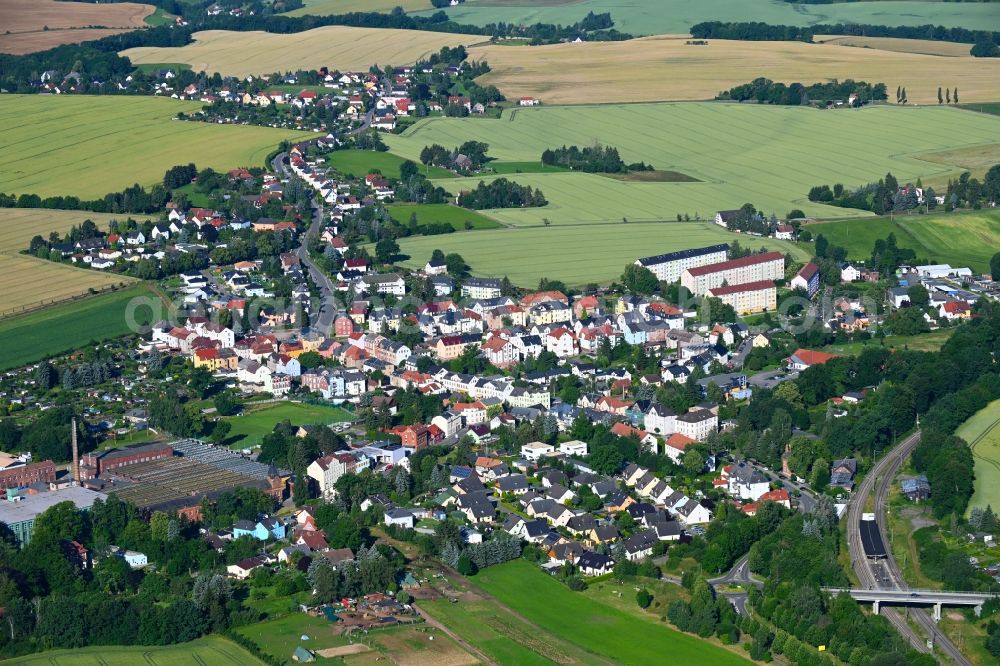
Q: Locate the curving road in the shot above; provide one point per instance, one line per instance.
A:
(879, 480)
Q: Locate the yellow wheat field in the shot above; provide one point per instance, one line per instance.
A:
(659, 68)
(27, 281)
(337, 47)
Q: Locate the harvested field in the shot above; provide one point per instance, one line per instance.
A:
(343, 650)
(925, 46)
(28, 42)
(88, 145)
(31, 25)
(662, 68)
(976, 159)
(251, 53)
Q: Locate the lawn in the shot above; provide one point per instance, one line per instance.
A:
(766, 155)
(982, 432)
(360, 163)
(961, 239)
(90, 145)
(61, 328)
(601, 629)
(249, 428)
(252, 53)
(431, 213)
(208, 651)
(578, 254)
(667, 68)
(652, 17)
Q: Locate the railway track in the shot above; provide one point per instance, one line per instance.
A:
(879, 480)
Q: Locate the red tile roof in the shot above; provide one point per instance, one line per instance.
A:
(739, 288)
(736, 263)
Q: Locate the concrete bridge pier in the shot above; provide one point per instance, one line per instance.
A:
(979, 610)
(875, 605)
(937, 612)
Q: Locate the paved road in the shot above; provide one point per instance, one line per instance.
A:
(806, 499)
(771, 378)
(879, 480)
(323, 318)
(739, 575)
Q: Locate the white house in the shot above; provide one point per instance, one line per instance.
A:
(399, 517)
(746, 482)
(573, 448)
(328, 469)
(537, 450)
(135, 559)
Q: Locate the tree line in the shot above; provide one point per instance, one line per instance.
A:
(766, 91)
(758, 31)
(591, 159)
(502, 193)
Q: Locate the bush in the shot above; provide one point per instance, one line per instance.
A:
(643, 598)
(466, 566)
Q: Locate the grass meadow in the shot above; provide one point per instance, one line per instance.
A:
(360, 163)
(576, 254)
(982, 432)
(67, 326)
(252, 53)
(251, 426)
(666, 68)
(208, 651)
(88, 146)
(598, 628)
(453, 215)
(960, 239)
(653, 17)
(769, 156)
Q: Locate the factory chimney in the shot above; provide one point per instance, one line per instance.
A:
(76, 453)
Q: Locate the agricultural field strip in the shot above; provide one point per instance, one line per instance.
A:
(577, 254)
(96, 133)
(982, 434)
(252, 53)
(647, 17)
(663, 69)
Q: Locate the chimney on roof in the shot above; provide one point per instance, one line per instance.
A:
(76, 452)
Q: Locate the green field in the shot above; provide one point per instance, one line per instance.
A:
(598, 628)
(280, 637)
(453, 215)
(982, 432)
(62, 328)
(250, 427)
(652, 17)
(960, 239)
(766, 155)
(359, 163)
(88, 145)
(929, 342)
(991, 108)
(208, 651)
(580, 254)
